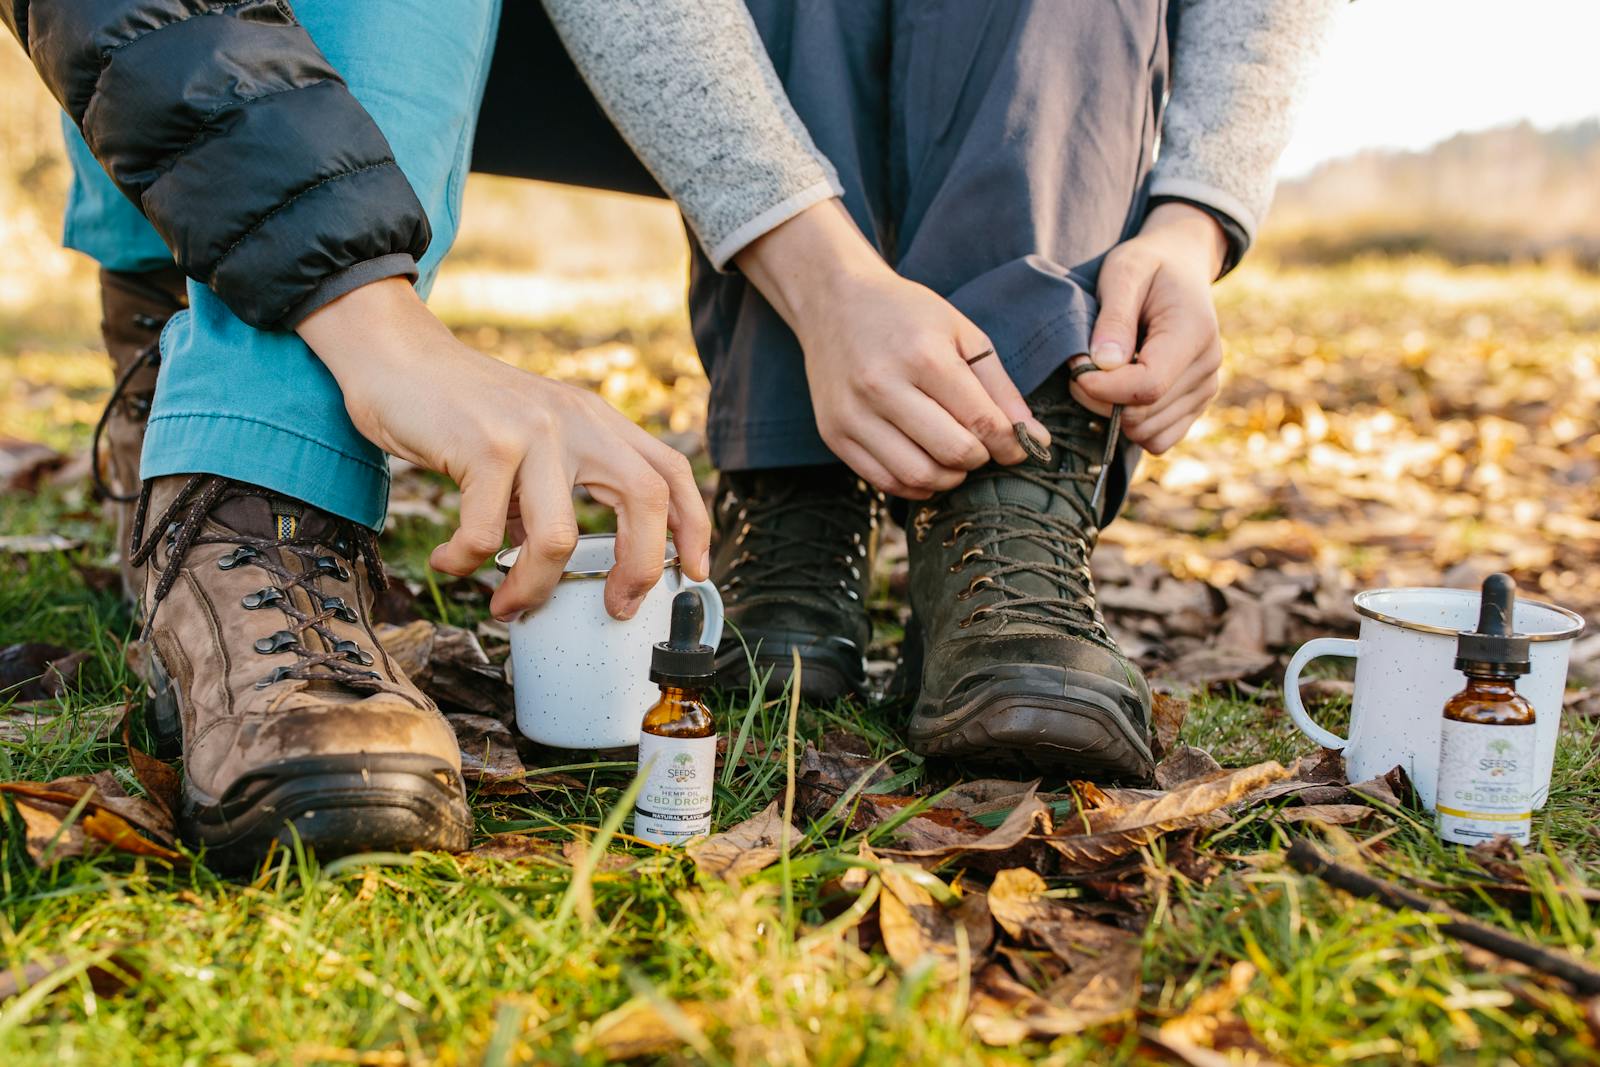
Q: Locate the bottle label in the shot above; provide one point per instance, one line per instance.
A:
(1485, 782)
(674, 803)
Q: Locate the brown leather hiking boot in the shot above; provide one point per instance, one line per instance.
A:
(1014, 661)
(294, 720)
(134, 307)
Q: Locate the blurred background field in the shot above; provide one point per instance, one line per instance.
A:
(1413, 357)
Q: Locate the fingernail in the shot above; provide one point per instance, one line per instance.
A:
(705, 563)
(1108, 355)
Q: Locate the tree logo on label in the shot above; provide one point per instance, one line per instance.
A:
(682, 768)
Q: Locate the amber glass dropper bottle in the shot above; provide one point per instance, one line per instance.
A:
(1487, 740)
(678, 739)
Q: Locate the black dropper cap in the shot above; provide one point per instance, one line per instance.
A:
(1493, 650)
(681, 659)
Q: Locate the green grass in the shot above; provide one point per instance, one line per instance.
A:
(436, 958)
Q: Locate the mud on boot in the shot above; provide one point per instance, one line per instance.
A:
(1015, 663)
(295, 723)
(794, 564)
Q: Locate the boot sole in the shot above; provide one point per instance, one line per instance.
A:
(335, 806)
(830, 669)
(1050, 718)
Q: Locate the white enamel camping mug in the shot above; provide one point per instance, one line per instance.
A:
(1405, 671)
(582, 678)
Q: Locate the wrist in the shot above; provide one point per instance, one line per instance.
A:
(376, 324)
(799, 264)
(1193, 231)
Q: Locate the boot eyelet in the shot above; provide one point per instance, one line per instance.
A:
(922, 523)
(242, 554)
(966, 557)
(340, 609)
(332, 567)
(981, 581)
(353, 652)
(977, 614)
(955, 533)
(282, 641)
(278, 674)
(262, 598)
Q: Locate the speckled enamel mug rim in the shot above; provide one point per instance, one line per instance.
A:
(1364, 606)
(506, 557)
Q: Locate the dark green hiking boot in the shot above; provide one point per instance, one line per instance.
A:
(793, 561)
(1015, 661)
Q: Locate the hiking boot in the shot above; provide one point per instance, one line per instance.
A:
(294, 721)
(134, 308)
(1015, 661)
(794, 562)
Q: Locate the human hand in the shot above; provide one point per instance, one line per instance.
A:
(515, 443)
(1158, 285)
(886, 360)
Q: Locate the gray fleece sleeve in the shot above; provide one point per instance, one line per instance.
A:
(690, 86)
(1240, 71)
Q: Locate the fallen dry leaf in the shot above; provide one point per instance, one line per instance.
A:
(107, 819)
(1327, 814)
(742, 850)
(945, 832)
(823, 778)
(1213, 666)
(33, 671)
(489, 757)
(1018, 903)
(1185, 765)
(24, 464)
(1209, 1033)
(1005, 1011)
(449, 664)
(1100, 836)
(641, 1028)
(915, 927)
(1167, 713)
(514, 846)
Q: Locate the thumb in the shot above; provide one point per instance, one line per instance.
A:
(1124, 283)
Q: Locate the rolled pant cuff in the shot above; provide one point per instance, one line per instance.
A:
(278, 458)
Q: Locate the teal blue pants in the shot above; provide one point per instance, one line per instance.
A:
(255, 405)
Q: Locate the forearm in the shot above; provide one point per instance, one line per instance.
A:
(689, 85)
(1240, 71)
(267, 212)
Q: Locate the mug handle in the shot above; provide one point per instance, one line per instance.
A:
(1316, 647)
(711, 600)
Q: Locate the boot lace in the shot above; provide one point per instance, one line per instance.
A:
(184, 519)
(149, 356)
(1068, 538)
(829, 561)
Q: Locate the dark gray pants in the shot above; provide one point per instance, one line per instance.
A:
(993, 150)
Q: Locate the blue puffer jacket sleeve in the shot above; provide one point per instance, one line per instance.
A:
(225, 125)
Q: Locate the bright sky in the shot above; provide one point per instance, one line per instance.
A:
(1408, 73)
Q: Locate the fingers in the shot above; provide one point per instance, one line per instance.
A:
(931, 425)
(909, 471)
(1168, 350)
(686, 509)
(1124, 284)
(485, 494)
(630, 486)
(544, 503)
